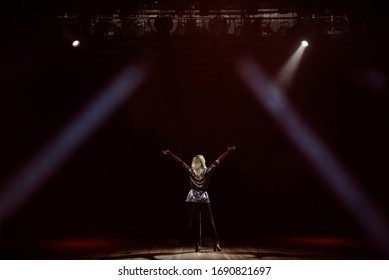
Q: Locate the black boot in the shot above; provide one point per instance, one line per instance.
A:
(197, 247)
(216, 247)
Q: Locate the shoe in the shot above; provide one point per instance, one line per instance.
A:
(197, 247)
(216, 247)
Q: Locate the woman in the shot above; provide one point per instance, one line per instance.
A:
(197, 200)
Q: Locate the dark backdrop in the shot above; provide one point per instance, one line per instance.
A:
(192, 102)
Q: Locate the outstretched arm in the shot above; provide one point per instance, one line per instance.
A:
(225, 154)
(176, 158)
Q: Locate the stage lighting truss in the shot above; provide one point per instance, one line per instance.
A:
(234, 23)
(331, 26)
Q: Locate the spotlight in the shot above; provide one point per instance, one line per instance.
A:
(76, 43)
(288, 71)
(321, 158)
(36, 172)
(304, 43)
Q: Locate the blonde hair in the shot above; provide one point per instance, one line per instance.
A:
(198, 165)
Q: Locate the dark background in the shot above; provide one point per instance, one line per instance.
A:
(193, 102)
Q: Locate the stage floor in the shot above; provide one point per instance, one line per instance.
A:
(120, 247)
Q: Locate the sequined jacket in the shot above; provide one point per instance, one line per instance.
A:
(198, 187)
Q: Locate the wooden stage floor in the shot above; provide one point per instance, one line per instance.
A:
(122, 248)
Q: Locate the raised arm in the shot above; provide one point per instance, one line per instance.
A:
(176, 158)
(225, 154)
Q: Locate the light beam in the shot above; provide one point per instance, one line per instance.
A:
(288, 71)
(371, 220)
(36, 172)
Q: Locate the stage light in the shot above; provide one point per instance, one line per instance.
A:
(76, 43)
(336, 176)
(33, 175)
(286, 74)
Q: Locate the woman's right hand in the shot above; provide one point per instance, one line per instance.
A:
(166, 152)
(231, 148)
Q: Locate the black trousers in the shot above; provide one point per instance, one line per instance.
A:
(194, 211)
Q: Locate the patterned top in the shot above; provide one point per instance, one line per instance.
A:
(199, 187)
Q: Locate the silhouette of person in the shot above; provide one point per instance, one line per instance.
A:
(197, 200)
